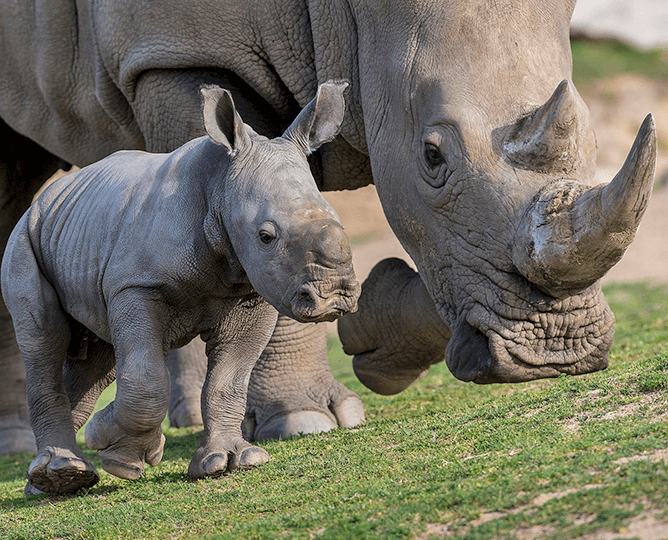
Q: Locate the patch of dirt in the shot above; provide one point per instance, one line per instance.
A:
(654, 457)
(650, 525)
(654, 401)
(617, 108)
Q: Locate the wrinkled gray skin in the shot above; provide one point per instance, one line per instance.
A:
(137, 254)
(450, 114)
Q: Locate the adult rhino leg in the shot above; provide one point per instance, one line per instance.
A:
(168, 109)
(187, 371)
(292, 389)
(24, 167)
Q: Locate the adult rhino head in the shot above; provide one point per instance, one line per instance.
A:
(483, 157)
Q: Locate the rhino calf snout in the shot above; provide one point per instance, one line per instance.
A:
(333, 245)
(313, 305)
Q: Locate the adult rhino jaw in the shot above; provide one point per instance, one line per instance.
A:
(571, 335)
(572, 234)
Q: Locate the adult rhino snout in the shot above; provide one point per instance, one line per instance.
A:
(572, 233)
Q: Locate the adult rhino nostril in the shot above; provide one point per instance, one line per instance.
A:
(304, 295)
(467, 354)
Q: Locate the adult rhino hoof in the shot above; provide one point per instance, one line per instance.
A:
(295, 423)
(349, 412)
(16, 440)
(58, 471)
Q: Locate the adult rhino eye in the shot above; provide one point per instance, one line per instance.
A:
(267, 233)
(433, 156)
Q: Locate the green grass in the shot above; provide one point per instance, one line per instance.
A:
(566, 457)
(594, 60)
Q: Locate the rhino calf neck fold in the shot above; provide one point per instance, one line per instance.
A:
(118, 263)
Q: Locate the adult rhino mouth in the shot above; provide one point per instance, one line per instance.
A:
(487, 347)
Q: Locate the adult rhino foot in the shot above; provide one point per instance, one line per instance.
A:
(292, 390)
(16, 438)
(123, 454)
(58, 471)
(214, 460)
(397, 333)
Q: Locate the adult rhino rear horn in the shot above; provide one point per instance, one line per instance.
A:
(556, 137)
(572, 234)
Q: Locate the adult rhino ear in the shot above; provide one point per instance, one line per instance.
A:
(222, 121)
(320, 121)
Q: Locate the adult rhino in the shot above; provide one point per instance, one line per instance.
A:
(481, 155)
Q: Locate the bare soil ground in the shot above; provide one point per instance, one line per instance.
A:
(617, 107)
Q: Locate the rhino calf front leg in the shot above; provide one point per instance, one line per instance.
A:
(127, 432)
(233, 351)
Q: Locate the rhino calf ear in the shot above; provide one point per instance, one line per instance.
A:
(221, 119)
(320, 121)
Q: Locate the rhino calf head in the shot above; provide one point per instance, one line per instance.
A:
(288, 239)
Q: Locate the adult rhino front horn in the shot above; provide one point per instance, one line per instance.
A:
(572, 233)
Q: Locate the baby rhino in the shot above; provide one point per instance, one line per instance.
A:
(137, 254)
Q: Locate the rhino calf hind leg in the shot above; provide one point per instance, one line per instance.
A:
(87, 375)
(43, 334)
(24, 166)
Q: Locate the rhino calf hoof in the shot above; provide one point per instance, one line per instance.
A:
(123, 455)
(126, 458)
(212, 464)
(59, 471)
(247, 459)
